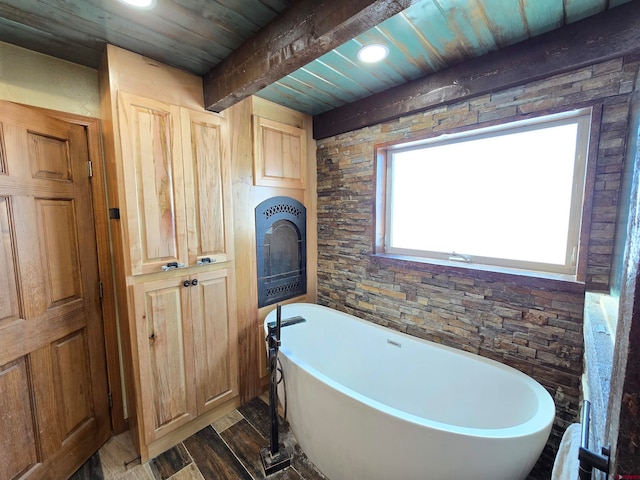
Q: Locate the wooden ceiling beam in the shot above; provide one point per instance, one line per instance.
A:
(305, 31)
(599, 38)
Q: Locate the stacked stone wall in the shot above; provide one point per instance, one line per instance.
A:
(532, 324)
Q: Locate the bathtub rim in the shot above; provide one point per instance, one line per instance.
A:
(536, 423)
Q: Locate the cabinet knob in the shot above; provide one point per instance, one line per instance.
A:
(194, 282)
(186, 283)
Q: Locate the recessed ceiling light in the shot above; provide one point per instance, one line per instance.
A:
(140, 3)
(373, 53)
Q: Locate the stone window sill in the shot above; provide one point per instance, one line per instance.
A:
(599, 341)
(557, 282)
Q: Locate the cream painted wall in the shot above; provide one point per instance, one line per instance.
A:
(40, 80)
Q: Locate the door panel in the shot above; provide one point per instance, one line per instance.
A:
(214, 340)
(207, 185)
(70, 365)
(279, 154)
(18, 428)
(52, 363)
(8, 287)
(165, 356)
(49, 157)
(46, 409)
(59, 250)
(156, 216)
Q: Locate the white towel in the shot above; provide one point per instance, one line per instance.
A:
(566, 465)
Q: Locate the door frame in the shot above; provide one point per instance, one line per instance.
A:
(100, 217)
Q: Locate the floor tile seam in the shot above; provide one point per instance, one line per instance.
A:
(148, 463)
(236, 455)
(102, 475)
(231, 425)
(292, 466)
(195, 465)
(125, 466)
(228, 448)
(188, 464)
(190, 456)
(302, 477)
(254, 426)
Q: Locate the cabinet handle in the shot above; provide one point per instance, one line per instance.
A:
(171, 265)
(186, 283)
(206, 261)
(194, 282)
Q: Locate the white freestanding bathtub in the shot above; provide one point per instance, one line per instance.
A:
(366, 402)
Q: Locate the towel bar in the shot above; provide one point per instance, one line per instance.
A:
(588, 459)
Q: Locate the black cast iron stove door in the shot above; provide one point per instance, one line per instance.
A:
(281, 244)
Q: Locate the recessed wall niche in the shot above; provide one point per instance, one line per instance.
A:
(281, 249)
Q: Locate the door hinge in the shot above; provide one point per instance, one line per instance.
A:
(90, 168)
(110, 399)
(100, 290)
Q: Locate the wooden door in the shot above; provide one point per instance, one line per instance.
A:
(54, 411)
(165, 355)
(207, 186)
(215, 338)
(153, 181)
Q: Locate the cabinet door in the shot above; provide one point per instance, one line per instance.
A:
(280, 152)
(153, 181)
(208, 186)
(164, 354)
(215, 339)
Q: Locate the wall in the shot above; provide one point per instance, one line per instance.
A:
(624, 414)
(35, 79)
(246, 196)
(617, 271)
(533, 325)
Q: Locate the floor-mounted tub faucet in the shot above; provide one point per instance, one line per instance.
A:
(273, 460)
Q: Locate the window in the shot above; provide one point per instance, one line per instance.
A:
(507, 196)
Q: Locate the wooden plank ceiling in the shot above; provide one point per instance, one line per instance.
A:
(299, 53)
(428, 36)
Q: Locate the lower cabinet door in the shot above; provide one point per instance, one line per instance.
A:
(215, 338)
(165, 355)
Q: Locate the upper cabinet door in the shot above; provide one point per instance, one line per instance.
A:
(280, 153)
(153, 183)
(207, 186)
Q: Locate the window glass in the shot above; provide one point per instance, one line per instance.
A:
(509, 196)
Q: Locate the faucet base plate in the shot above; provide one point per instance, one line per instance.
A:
(274, 462)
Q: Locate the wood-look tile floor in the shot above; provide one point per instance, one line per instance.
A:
(229, 449)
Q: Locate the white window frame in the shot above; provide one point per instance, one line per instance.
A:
(384, 181)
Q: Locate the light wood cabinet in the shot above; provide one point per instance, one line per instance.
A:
(215, 331)
(280, 154)
(165, 358)
(168, 178)
(207, 187)
(185, 331)
(177, 185)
